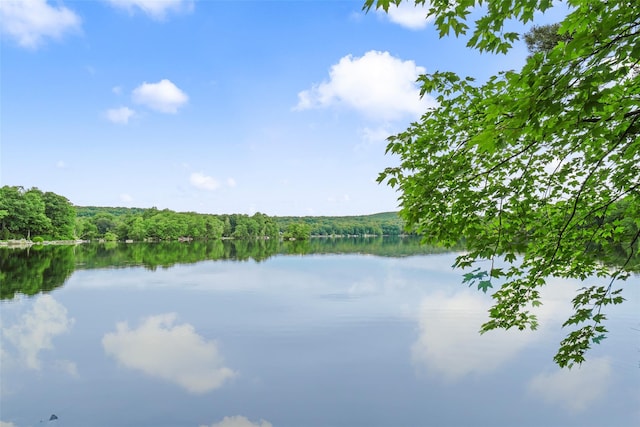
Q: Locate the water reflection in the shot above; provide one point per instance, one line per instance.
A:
(574, 389)
(173, 352)
(34, 270)
(450, 347)
(348, 340)
(238, 421)
(449, 344)
(35, 331)
(42, 269)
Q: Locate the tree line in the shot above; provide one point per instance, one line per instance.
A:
(35, 215)
(154, 224)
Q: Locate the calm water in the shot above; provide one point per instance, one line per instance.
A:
(344, 333)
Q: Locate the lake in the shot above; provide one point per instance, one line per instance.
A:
(333, 332)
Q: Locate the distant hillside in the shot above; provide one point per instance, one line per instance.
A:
(91, 211)
(384, 223)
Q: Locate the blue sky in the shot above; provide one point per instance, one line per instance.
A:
(280, 107)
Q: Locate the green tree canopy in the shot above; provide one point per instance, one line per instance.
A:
(25, 213)
(297, 231)
(531, 165)
(62, 215)
(544, 38)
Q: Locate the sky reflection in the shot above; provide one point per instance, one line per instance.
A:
(574, 389)
(313, 341)
(239, 421)
(449, 344)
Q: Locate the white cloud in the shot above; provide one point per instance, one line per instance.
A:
(203, 182)
(377, 85)
(373, 136)
(163, 96)
(47, 319)
(156, 9)
(124, 197)
(29, 22)
(6, 424)
(120, 115)
(67, 366)
(61, 164)
(239, 421)
(175, 353)
(117, 90)
(574, 388)
(231, 182)
(409, 15)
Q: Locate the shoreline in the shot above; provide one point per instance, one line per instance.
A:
(24, 243)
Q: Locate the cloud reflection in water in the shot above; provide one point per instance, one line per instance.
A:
(450, 344)
(574, 388)
(37, 329)
(239, 421)
(175, 353)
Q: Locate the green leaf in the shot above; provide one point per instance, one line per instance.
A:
(484, 285)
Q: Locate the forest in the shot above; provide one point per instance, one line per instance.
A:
(44, 216)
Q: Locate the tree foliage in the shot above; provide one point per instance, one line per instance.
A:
(140, 224)
(380, 224)
(62, 215)
(27, 213)
(539, 168)
(543, 38)
(297, 231)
